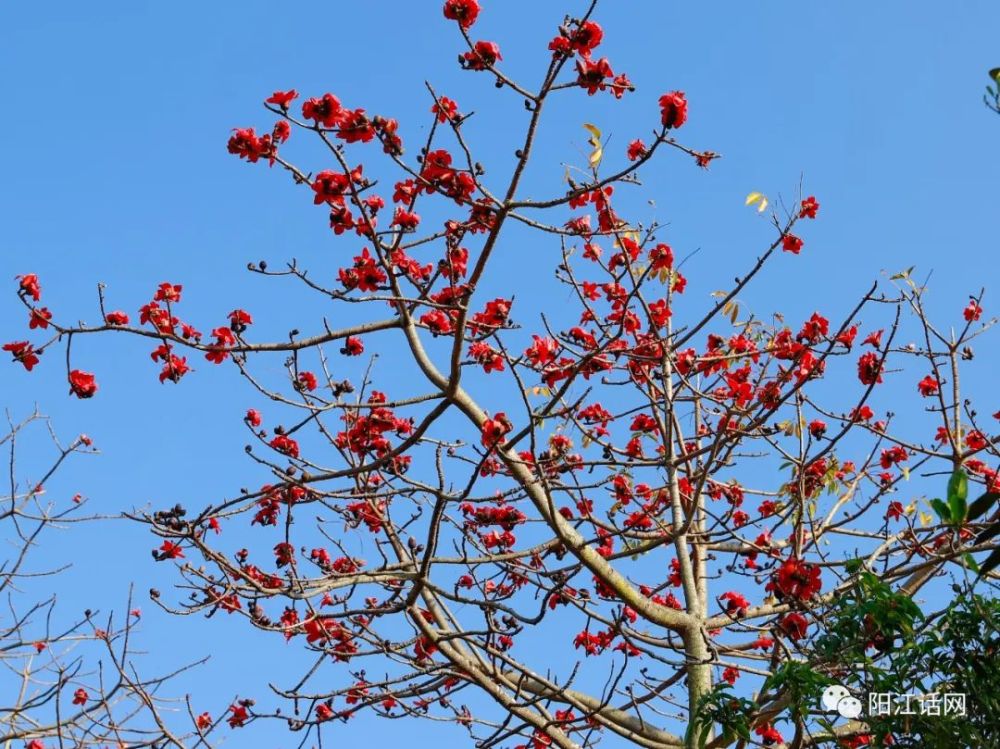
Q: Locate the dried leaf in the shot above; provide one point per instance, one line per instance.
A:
(595, 141)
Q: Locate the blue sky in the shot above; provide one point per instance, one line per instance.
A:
(116, 171)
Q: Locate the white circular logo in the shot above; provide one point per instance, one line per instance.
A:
(837, 698)
(849, 707)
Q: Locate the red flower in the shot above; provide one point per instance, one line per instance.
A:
(873, 339)
(168, 293)
(356, 127)
(307, 381)
(848, 336)
(323, 712)
(246, 144)
(976, 440)
(437, 321)
(482, 56)
(286, 445)
(253, 417)
(861, 414)
(895, 511)
(587, 37)
(561, 46)
(796, 579)
(282, 98)
(239, 716)
(39, 318)
(282, 131)
(869, 369)
(24, 352)
(116, 318)
(736, 605)
(892, 456)
(636, 150)
(809, 208)
(353, 346)
(325, 111)
(405, 220)
(795, 626)
(494, 430)
(817, 428)
(487, 356)
(82, 384)
(30, 286)
(239, 319)
(769, 735)
(446, 109)
(929, 386)
(593, 75)
(972, 311)
(464, 11)
(174, 369)
(80, 696)
(204, 721)
(673, 109)
(366, 275)
(791, 243)
(814, 329)
(731, 675)
(169, 550)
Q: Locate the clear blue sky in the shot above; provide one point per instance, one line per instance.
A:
(115, 171)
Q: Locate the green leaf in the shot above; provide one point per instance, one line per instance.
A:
(971, 563)
(943, 510)
(958, 493)
(995, 74)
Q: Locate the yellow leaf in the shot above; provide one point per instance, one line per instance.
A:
(595, 141)
(753, 198)
(906, 473)
(763, 205)
(925, 518)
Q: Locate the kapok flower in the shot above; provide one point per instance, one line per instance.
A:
(494, 430)
(809, 208)
(82, 384)
(673, 109)
(30, 286)
(464, 11)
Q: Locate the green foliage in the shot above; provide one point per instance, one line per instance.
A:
(869, 612)
(801, 682)
(878, 640)
(721, 707)
(957, 653)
